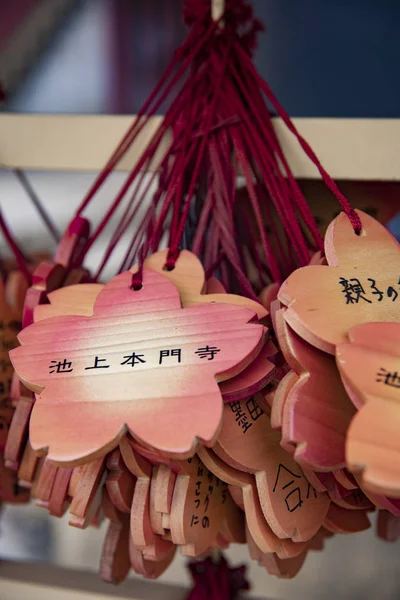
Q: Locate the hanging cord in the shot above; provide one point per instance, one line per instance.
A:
(331, 185)
(192, 45)
(176, 236)
(194, 42)
(30, 192)
(15, 249)
(262, 127)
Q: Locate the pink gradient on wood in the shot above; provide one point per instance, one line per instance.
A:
(369, 366)
(141, 400)
(316, 408)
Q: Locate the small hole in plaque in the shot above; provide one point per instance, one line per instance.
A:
(168, 267)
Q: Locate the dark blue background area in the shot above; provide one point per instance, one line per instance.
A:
(332, 58)
(322, 58)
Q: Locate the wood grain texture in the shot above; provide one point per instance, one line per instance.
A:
(75, 299)
(201, 511)
(156, 516)
(291, 506)
(18, 430)
(244, 492)
(283, 568)
(127, 324)
(45, 484)
(147, 568)
(88, 495)
(10, 323)
(145, 539)
(369, 368)
(115, 562)
(355, 287)
(189, 278)
(69, 252)
(28, 467)
(47, 276)
(58, 503)
(316, 409)
(342, 520)
(252, 379)
(119, 483)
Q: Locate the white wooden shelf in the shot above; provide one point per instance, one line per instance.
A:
(47, 582)
(354, 149)
(19, 581)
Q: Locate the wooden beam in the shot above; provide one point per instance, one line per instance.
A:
(354, 149)
(47, 582)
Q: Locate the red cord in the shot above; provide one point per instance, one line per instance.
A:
(15, 249)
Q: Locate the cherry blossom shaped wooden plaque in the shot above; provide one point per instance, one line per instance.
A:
(59, 500)
(243, 490)
(88, 495)
(115, 562)
(136, 364)
(342, 520)
(10, 324)
(316, 408)
(161, 489)
(286, 568)
(144, 537)
(252, 379)
(22, 397)
(202, 510)
(247, 442)
(369, 366)
(147, 568)
(188, 276)
(361, 284)
(120, 483)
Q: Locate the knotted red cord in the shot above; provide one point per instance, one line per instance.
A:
(220, 123)
(216, 580)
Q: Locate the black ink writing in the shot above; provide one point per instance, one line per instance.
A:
(60, 366)
(97, 365)
(207, 352)
(389, 378)
(175, 352)
(133, 359)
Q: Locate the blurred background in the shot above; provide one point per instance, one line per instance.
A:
(337, 58)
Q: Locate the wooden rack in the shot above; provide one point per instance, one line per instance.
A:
(352, 149)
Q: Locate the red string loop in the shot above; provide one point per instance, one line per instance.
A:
(220, 125)
(137, 280)
(172, 257)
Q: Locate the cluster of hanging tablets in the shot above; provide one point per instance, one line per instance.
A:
(192, 418)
